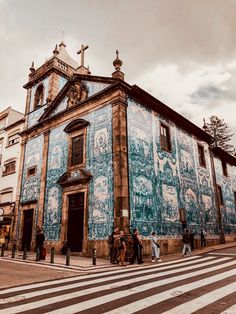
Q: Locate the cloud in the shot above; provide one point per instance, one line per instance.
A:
(180, 51)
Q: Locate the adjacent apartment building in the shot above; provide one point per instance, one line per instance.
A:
(11, 124)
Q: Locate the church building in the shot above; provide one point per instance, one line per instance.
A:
(99, 153)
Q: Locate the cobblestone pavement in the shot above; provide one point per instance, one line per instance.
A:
(85, 263)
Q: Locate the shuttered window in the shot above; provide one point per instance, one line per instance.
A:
(77, 150)
(165, 137)
(201, 156)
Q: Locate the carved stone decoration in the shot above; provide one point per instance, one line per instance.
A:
(77, 93)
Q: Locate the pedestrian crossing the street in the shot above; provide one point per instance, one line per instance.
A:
(197, 283)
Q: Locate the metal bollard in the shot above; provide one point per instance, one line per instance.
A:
(52, 255)
(13, 252)
(25, 252)
(37, 254)
(94, 256)
(2, 250)
(68, 257)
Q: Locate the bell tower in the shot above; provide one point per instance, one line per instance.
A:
(46, 81)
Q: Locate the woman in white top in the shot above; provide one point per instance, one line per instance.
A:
(155, 248)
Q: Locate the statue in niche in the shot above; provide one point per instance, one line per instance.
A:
(78, 92)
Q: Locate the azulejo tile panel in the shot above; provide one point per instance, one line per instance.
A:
(94, 87)
(161, 182)
(30, 187)
(34, 116)
(228, 212)
(33, 158)
(57, 165)
(98, 162)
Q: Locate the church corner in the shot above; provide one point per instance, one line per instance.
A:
(98, 153)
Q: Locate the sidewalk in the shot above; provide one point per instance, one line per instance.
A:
(208, 249)
(81, 263)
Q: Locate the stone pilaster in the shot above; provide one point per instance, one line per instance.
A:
(120, 165)
(18, 195)
(217, 202)
(43, 179)
(53, 86)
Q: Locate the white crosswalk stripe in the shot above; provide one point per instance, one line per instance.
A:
(89, 292)
(96, 281)
(230, 310)
(65, 280)
(206, 299)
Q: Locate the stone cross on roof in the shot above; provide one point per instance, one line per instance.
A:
(83, 48)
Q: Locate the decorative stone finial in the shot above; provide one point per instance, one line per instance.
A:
(117, 62)
(56, 51)
(32, 69)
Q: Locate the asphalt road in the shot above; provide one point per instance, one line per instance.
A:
(16, 273)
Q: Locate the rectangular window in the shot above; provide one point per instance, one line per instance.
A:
(13, 139)
(220, 196)
(201, 156)
(77, 153)
(6, 197)
(224, 168)
(9, 168)
(31, 171)
(165, 137)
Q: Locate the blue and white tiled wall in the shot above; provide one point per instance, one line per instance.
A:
(99, 162)
(33, 157)
(162, 182)
(57, 165)
(30, 187)
(92, 87)
(228, 187)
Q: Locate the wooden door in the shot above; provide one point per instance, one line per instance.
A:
(75, 229)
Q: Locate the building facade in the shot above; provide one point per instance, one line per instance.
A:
(11, 124)
(98, 153)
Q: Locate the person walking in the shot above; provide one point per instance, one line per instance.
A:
(155, 248)
(186, 243)
(122, 249)
(137, 247)
(40, 243)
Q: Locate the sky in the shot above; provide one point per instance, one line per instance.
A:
(183, 52)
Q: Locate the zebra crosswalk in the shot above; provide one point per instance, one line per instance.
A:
(189, 285)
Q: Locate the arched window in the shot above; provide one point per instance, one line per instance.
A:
(38, 97)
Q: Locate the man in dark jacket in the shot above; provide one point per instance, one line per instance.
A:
(39, 243)
(137, 247)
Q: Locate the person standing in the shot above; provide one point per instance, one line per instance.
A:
(203, 238)
(40, 243)
(191, 236)
(114, 246)
(122, 249)
(137, 247)
(186, 243)
(2, 237)
(155, 248)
